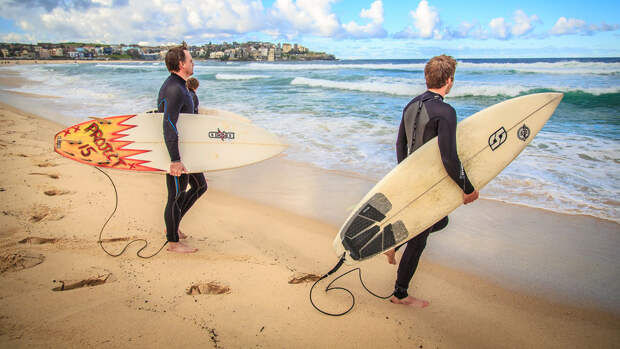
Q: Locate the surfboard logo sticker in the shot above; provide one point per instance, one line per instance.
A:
(523, 133)
(498, 138)
(223, 135)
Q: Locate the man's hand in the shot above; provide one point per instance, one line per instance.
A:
(177, 168)
(469, 198)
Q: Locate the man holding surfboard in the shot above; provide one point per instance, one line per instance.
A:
(174, 98)
(425, 117)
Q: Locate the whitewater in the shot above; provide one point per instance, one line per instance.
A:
(344, 115)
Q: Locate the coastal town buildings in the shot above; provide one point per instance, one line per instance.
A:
(249, 51)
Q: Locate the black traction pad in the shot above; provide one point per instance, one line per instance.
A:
(373, 211)
(362, 236)
(358, 225)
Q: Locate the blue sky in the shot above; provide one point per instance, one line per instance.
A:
(348, 29)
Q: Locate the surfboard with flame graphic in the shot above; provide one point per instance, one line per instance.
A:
(207, 142)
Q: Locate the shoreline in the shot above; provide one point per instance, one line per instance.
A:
(602, 209)
(251, 248)
(328, 196)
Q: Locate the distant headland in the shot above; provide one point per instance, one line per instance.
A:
(248, 51)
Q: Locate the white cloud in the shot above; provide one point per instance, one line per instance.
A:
(135, 20)
(374, 29)
(499, 28)
(464, 29)
(307, 16)
(468, 30)
(157, 21)
(107, 3)
(426, 23)
(14, 37)
(523, 23)
(196, 21)
(568, 26)
(426, 20)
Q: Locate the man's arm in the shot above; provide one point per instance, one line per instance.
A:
(172, 104)
(401, 142)
(446, 136)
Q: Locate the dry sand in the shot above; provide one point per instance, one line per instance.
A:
(51, 212)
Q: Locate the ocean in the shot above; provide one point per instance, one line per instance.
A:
(344, 115)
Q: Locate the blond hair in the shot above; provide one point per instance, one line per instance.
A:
(438, 70)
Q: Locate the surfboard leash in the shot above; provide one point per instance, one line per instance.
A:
(329, 287)
(100, 242)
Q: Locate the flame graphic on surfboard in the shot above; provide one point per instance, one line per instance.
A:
(212, 141)
(97, 142)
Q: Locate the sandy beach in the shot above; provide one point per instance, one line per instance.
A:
(500, 276)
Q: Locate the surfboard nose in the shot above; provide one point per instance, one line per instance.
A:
(557, 95)
(555, 99)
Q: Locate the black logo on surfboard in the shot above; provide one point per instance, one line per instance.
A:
(498, 138)
(223, 135)
(523, 133)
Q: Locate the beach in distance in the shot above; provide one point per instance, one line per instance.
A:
(532, 264)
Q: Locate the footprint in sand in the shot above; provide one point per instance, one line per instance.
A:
(37, 240)
(19, 261)
(55, 192)
(114, 239)
(212, 287)
(8, 122)
(300, 278)
(47, 164)
(91, 282)
(50, 175)
(40, 212)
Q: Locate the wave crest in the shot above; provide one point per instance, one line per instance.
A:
(240, 76)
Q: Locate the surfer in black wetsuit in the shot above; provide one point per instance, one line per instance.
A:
(192, 86)
(425, 117)
(174, 98)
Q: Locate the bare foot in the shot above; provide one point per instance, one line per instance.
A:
(412, 301)
(181, 235)
(391, 256)
(180, 247)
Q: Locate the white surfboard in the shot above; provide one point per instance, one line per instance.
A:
(223, 113)
(207, 142)
(418, 192)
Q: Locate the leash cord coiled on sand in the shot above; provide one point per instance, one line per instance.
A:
(146, 243)
(329, 287)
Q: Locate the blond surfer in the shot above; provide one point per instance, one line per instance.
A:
(425, 117)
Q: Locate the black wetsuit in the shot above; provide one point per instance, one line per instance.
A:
(195, 99)
(174, 98)
(441, 123)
